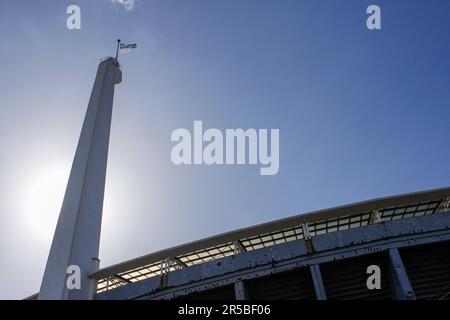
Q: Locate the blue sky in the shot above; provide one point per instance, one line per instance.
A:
(362, 114)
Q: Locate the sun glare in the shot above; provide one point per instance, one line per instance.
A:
(43, 197)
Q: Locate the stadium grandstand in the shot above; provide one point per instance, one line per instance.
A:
(318, 255)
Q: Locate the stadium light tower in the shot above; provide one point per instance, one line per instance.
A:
(77, 235)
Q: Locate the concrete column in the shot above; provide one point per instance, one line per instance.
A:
(77, 235)
(318, 282)
(240, 291)
(400, 281)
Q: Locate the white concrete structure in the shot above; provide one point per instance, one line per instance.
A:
(77, 236)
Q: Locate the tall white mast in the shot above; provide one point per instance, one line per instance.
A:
(77, 235)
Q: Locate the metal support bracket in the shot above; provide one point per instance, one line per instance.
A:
(308, 238)
(375, 217)
(238, 247)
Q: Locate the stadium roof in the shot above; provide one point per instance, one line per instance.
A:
(275, 232)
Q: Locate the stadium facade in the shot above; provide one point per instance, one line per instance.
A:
(319, 255)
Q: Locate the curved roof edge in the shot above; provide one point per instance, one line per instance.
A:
(310, 217)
